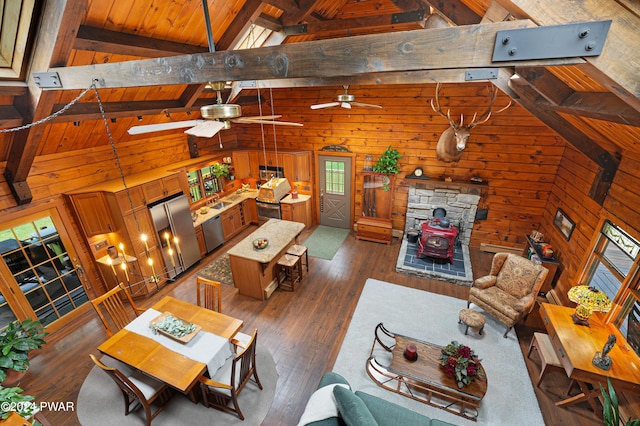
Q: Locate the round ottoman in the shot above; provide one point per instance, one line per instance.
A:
(473, 319)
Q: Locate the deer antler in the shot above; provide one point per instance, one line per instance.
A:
(439, 109)
(484, 117)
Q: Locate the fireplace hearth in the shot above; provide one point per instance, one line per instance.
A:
(460, 201)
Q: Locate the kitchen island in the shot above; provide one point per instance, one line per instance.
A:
(254, 270)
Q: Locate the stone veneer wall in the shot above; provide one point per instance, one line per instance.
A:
(459, 200)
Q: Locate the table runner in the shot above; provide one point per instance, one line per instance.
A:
(205, 347)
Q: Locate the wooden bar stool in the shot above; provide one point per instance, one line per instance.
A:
(289, 266)
(300, 252)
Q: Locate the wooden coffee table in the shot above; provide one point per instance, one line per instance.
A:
(424, 379)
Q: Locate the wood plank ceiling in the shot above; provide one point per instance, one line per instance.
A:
(593, 103)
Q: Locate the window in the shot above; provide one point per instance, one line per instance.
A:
(42, 269)
(613, 269)
(202, 184)
(334, 177)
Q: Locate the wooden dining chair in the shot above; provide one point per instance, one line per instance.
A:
(138, 389)
(112, 310)
(209, 294)
(221, 391)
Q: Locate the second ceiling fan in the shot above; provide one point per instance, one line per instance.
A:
(345, 100)
(215, 117)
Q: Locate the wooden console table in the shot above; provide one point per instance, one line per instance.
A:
(577, 344)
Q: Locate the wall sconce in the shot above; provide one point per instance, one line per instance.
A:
(76, 123)
(589, 300)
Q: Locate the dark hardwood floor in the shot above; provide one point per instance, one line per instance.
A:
(303, 329)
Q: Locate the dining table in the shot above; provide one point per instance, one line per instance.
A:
(176, 363)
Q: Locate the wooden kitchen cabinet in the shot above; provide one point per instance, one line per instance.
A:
(231, 221)
(296, 166)
(201, 243)
(250, 211)
(93, 210)
(137, 199)
(158, 189)
(297, 211)
(245, 164)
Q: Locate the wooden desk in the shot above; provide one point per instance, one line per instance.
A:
(576, 345)
(156, 360)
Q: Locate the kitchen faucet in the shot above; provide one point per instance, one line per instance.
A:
(215, 198)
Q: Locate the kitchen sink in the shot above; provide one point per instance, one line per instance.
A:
(220, 205)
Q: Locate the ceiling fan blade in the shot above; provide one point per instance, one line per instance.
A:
(148, 128)
(327, 105)
(257, 117)
(281, 123)
(345, 105)
(206, 129)
(365, 105)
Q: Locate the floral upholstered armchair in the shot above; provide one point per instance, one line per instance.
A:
(509, 291)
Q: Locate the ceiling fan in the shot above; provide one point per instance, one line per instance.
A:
(215, 117)
(345, 101)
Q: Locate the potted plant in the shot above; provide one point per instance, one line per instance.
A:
(13, 400)
(388, 162)
(610, 409)
(221, 170)
(16, 341)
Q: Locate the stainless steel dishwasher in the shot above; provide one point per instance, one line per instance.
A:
(212, 231)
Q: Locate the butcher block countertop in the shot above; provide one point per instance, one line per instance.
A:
(280, 233)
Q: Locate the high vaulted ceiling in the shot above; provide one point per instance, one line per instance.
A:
(153, 58)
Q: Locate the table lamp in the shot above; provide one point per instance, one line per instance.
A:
(589, 299)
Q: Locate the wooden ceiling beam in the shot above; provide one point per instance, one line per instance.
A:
(616, 68)
(240, 24)
(528, 97)
(561, 98)
(456, 11)
(56, 34)
(368, 22)
(441, 48)
(13, 88)
(269, 22)
(106, 41)
(294, 16)
(10, 117)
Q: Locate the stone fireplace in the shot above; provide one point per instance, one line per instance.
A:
(460, 200)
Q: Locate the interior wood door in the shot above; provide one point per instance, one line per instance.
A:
(334, 183)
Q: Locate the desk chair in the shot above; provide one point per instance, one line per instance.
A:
(112, 310)
(138, 390)
(221, 391)
(209, 294)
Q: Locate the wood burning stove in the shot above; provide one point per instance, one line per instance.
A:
(437, 239)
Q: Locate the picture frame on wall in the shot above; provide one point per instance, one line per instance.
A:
(564, 224)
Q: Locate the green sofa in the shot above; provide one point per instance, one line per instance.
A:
(360, 408)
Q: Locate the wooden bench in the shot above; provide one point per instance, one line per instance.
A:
(548, 358)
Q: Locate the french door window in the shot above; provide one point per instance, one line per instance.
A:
(44, 278)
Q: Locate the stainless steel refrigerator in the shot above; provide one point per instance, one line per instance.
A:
(172, 218)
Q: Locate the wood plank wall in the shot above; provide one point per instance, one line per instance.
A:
(516, 154)
(531, 171)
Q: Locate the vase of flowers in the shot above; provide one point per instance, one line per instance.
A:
(461, 363)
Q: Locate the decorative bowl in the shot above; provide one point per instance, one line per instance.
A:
(260, 243)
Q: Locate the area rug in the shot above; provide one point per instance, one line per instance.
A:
(510, 398)
(218, 270)
(100, 401)
(325, 241)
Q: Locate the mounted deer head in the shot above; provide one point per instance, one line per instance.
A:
(454, 140)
